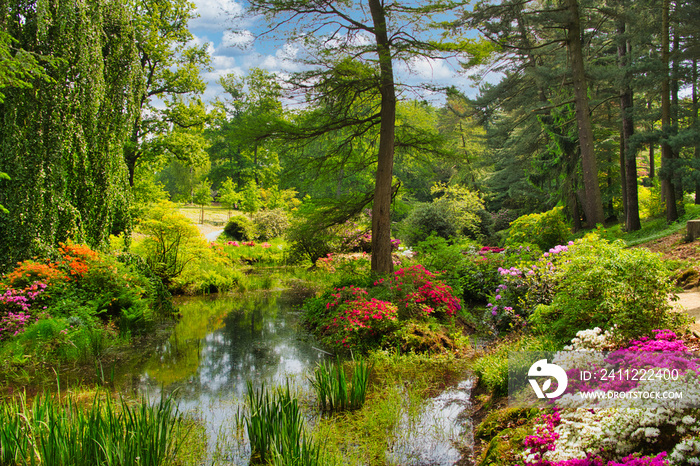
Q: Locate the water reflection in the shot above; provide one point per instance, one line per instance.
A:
(219, 343)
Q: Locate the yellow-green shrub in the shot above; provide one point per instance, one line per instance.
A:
(546, 230)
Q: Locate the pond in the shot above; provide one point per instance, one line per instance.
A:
(221, 342)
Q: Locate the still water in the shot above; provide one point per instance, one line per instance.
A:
(222, 341)
(219, 343)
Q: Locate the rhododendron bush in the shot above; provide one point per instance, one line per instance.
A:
(77, 283)
(358, 321)
(418, 292)
(601, 284)
(353, 317)
(584, 284)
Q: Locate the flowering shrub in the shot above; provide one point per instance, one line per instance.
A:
(356, 321)
(636, 460)
(11, 324)
(418, 292)
(480, 275)
(663, 340)
(483, 271)
(20, 300)
(81, 282)
(593, 340)
(250, 252)
(523, 288)
(29, 271)
(543, 439)
(270, 223)
(601, 284)
(77, 258)
(487, 249)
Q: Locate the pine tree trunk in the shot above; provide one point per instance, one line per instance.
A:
(381, 210)
(695, 123)
(675, 123)
(629, 184)
(652, 162)
(593, 205)
(667, 188)
(623, 177)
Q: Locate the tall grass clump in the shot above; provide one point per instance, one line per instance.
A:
(276, 429)
(333, 391)
(61, 432)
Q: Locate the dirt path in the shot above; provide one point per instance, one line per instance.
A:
(689, 302)
(210, 232)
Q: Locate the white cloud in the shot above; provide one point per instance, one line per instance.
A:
(282, 61)
(215, 14)
(242, 39)
(428, 68)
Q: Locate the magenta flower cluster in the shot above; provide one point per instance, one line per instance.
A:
(645, 352)
(13, 324)
(15, 306)
(543, 440)
(663, 340)
(557, 249)
(21, 299)
(490, 249)
(592, 460)
(251, 244)
(664, 351)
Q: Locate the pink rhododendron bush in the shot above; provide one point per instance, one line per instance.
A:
(360, 318)
(71, 306)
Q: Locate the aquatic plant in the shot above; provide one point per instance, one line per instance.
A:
(332, 389)
(276, 429)
(58, 431)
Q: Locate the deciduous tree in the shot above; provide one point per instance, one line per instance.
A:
(336, 37)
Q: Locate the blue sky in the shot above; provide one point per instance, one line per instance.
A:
(212, 28)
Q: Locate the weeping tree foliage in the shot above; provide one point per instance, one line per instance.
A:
(62, 137)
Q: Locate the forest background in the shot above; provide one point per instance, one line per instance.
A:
(596, 112)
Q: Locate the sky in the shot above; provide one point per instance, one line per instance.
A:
(213, 25)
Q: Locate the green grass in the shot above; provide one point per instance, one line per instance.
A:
(652, 228)
(212, 214)
(270, 253)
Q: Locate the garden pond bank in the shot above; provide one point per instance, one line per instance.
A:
(222, 341)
